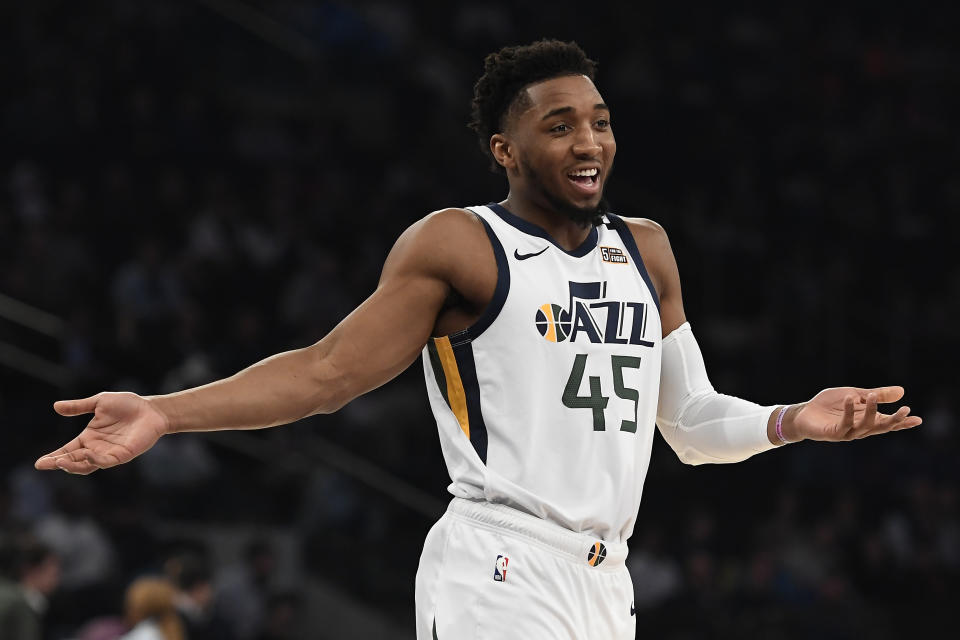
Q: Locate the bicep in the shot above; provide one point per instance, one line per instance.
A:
(672, 314)
(658, 255)
(385, 334)
(382, 336)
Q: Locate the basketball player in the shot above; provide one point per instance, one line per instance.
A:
(553, 338)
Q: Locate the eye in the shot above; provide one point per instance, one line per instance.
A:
(560, 128)
(603, 124)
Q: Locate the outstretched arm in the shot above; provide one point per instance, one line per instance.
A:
(702, 425)
(369, 347)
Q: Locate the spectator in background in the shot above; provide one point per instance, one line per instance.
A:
(191, 573)
(783, 117)
(241, 591)
(282, 616)
(150, 611)
(75, 530)
(102, 628)
(29, 574)
(17, 619)
(657, 577)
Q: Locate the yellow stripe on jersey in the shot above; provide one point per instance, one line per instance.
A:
(455, 393)
(551, 322)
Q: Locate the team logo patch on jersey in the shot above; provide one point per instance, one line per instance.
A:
(500, 569)
(596, 554)
(614, 255)
(553, 322)
(591, 316)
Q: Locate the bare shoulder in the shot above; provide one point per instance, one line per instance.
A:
(445, 232)
(440, 233)
(451, 223)
(450, 245)
(451, 216)
(654, 247)
(648, 233)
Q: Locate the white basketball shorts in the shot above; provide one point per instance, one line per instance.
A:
(490, 572)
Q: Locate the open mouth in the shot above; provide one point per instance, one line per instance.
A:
(585, 180)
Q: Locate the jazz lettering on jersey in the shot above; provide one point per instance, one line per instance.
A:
(592, 317)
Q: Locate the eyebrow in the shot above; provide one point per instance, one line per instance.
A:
(568, 109)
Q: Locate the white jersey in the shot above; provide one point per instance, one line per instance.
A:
(548, 402)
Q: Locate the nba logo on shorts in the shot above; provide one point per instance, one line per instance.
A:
(500, 569)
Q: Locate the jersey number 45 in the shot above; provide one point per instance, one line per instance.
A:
(596, 401)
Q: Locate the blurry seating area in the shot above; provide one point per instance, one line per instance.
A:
(191, 189)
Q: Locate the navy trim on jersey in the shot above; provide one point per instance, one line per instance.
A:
(499, 293)
(437, 367)
(628, 241)
(531, 229)
(463, 352)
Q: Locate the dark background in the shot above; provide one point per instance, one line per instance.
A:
(190, 186)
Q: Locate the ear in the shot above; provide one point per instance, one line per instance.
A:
(502, 151)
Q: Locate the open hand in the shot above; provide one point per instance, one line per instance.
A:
(848, 413)
(124, 425)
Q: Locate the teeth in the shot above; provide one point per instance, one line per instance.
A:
(585, 172)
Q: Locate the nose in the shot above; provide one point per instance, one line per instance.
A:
(585, 143)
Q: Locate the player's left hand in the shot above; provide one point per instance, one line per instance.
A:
(847, 413)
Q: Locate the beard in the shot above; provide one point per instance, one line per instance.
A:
(582, 216)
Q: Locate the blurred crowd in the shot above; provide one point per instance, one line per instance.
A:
(55, 582)
(192, 189)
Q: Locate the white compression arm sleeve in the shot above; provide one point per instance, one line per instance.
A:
(700, 424)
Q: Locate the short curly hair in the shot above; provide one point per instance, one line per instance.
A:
(511, 69)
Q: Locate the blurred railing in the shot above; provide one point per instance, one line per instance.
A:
(25, 360)
(317, 450)
(266, 28)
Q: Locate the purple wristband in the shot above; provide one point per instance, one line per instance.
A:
(783, 410)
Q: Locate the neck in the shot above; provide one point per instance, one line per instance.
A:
(565, 232)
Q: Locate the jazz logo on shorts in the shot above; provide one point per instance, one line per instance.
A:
(596, 554)
(500, 569)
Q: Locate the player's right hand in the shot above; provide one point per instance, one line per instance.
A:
(124, 425)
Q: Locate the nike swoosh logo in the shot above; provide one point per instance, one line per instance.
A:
(524, 256)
